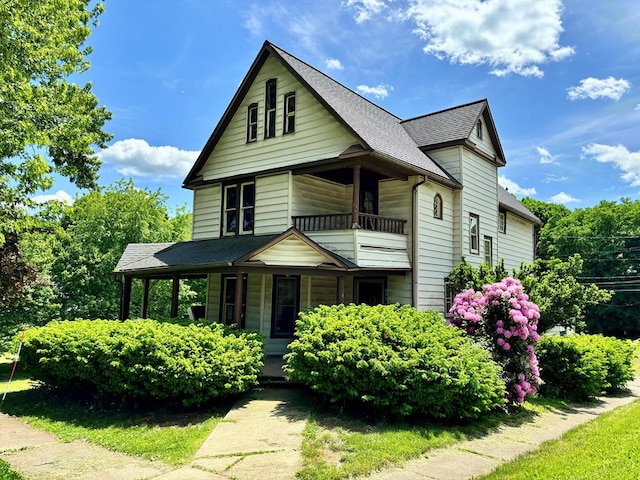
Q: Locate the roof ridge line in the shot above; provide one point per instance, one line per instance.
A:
(482, 100)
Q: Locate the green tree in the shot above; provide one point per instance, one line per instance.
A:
(545, 212)
(47, 124)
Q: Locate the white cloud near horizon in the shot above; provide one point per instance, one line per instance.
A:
(620, 157)
(59, 196)
(333, 64)
(563, 198)
(637, 109)
(511, 36)
(513, 187)
(134, 157)
(379, 91)
(545, 156)
(595, 88)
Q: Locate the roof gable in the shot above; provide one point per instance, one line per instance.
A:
(510, 203)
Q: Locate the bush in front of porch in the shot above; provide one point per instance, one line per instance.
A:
(144, 359)
(394, 360)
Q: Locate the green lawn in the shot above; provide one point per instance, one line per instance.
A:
(6, 473)
(170, 436)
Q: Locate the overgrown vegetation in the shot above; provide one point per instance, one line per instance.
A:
(394, 361)
(579, 367)
(144, 360)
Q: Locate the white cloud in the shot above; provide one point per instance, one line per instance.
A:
(637, 109)
(594, 88)
(545, 156)
(512, 36)
(553, 178)
(59, 196)
(135, 157)
(563, 198)
(333, 64)
(620, 156)
(514, 188)
(365, 9)
(379, 91)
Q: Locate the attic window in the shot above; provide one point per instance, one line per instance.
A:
(252, 123)
(270, 109)
(290, 112)
(479, 129)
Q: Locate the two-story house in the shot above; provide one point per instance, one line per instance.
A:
(307, 193)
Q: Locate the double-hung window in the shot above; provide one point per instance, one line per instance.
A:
(238, 208)
(502, 222)
(488, 251)
(270, 109)
(474, 233)
(252, 123)
(290, 112)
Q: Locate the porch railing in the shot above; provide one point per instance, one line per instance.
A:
(342, 221)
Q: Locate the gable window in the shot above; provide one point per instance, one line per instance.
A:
(252, 123)
(502, 222)
(437, 206)
(270, 109)
(488, 251)
(479, 129)
(238, 208)
(285, 305)
(290, 112)
(228, 300)
(474, 233)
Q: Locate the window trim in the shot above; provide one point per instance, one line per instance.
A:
(476, 236)
(502, 221)
(437, 199)
(274, 292)
(238, 207)
(381, 280)
(479, 129)
(223, 289)
(269, 109)
(289, 115)
(488, 240)
(252, 127)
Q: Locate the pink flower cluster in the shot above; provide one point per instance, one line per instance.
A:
(503, 316)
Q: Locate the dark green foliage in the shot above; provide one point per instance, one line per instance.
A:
(144, 359)
(395, 360)
(578, 367)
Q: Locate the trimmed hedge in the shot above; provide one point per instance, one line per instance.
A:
(144, 359)
(394, 360)
(578, 367)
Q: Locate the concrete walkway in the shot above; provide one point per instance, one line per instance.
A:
(260, 438)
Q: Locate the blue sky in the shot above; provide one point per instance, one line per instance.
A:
(562, 79)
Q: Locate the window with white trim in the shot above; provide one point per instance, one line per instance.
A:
(488, 251)
(502, 222)
(474, 233)
(252, 123)
(270, 109)
(437, 206)
(290, 112)
(238, 208)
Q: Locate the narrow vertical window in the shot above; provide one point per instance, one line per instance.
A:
(488, 251)
(286, 305)
(252, 123)
(502, 222)
(290, 113)
(230, 210)
(437, 206)
(270, 109)
(479, 129)
(474, 233)
(227, 303)
(247, 206)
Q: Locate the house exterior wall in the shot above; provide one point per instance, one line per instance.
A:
(273, 203)
(485, 144)
(316, 196)
(206, 212)
(516, 245)
(318, 135)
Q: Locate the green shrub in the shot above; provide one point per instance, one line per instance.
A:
(144, 359)
(395, 360)
(578, 367)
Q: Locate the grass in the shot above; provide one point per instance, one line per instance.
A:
(168, 435)
(608, 447)
(7, 473)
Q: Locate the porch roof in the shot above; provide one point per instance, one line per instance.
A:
(201, 256)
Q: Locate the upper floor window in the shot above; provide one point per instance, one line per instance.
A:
(252, 123)
(474, 233)
(437, 206)
(270, 109)
(479, 129)
(238, 208)
(502, 222)
(290, 112)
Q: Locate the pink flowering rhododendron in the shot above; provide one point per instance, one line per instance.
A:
(505, 321)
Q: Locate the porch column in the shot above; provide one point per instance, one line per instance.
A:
(125, 298)
(175, 290)
(145, 297)
(355, 207)
(340, 297)
(237, 307)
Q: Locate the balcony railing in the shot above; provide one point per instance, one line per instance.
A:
(343, 221)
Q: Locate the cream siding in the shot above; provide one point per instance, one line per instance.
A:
(272, 204)
(213, 297)
(450, 160)
(516, 245)
(291, 252)
(316, 196)
(399, 289)
(318, 135)
(395, 201)
(341, 242)
(206, 212)
(483, 143)
(381, 250)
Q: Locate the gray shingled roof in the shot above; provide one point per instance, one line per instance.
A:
(510, 203)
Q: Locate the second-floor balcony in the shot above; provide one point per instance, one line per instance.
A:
(344, 221)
